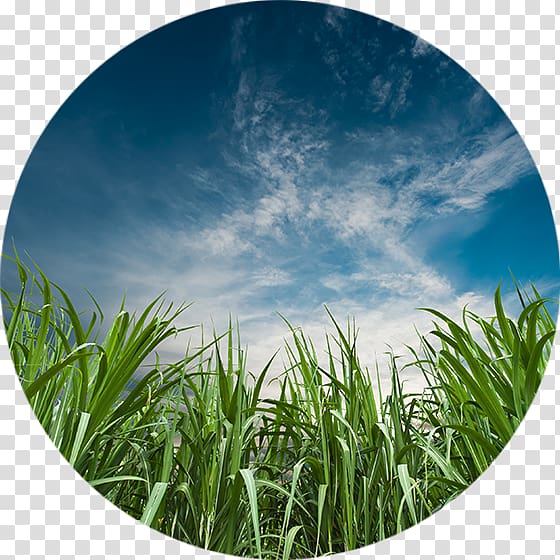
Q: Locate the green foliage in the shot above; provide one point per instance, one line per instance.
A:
(195, 450)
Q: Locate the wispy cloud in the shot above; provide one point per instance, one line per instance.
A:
(225, 239)
(334, 19)
(458, 170)
(271, 276)
(241, 29)
(368, 205)
(422, 48)
(390, 94)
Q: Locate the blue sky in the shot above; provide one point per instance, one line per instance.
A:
(277, 157)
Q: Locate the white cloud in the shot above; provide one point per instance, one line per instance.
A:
(240, 29)
(241, 99)
(467, 181)
(271, 276)
(347, 64)
(240, 231)
(381, 90)
(226, 240)
(424, 283)
(273, 209)
(400, 100)
(334, 19)
(364, 212)
(407, 277)
(460, 168)
(421, 48)
(390, 94)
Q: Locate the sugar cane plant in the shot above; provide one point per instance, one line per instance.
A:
(197, 451)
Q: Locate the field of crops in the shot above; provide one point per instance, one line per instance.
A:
(195, 450)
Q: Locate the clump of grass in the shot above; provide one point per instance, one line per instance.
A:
(478, 391)
(195, 450)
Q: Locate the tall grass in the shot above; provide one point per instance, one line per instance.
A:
(196, 451)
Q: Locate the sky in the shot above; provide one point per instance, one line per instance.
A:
(278, 157)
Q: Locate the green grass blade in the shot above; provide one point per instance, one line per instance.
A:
(289, 543)
(79, 437)
(251, 488)
(156, 497)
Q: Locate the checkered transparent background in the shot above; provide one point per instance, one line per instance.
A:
(47, 48)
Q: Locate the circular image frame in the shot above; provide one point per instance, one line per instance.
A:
(527, 425)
